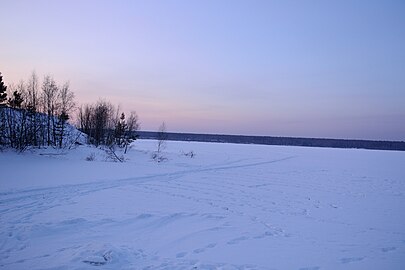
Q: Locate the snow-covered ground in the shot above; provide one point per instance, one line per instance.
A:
(229, 207)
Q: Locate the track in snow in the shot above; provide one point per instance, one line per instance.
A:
(247, 213)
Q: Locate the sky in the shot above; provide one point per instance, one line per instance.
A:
(332, 69)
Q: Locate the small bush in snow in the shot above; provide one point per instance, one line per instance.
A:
(112, 154)
(190, 154)
(91, 157)
(158, 157)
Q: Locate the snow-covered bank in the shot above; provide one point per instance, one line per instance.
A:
(229, 207)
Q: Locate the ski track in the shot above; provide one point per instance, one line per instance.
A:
(35, 201)
(220, 198)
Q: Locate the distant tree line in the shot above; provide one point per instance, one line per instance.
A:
(34, 114)
(270, 140)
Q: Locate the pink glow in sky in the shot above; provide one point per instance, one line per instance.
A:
(284, 68)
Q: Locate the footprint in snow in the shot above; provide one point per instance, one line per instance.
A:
(263, 235)
(95, 263)
(199, 250)
(98, 260)
(181, 254)
(237, 240)
(387, 249)
(352, 259)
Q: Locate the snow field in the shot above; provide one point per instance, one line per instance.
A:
(229, 207)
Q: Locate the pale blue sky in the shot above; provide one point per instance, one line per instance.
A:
(284, 68)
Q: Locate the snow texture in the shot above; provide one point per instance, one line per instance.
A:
(228, 207)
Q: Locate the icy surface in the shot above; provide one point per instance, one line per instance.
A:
(229, 207)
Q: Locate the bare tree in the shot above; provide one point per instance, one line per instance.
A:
(161, 138)
(66, 99)
(49, 97)
(85, 120)
(65, 106)
(133, 122)
(32, 92)
(131, 128)
(161, 143)
(100, 121)
(32, 103)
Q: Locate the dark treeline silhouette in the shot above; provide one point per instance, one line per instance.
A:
(36, 115)
(268, 140)
(105, 125)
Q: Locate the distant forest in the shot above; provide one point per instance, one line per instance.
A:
(269, 140)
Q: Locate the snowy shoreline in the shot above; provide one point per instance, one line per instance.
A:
(230, 207)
